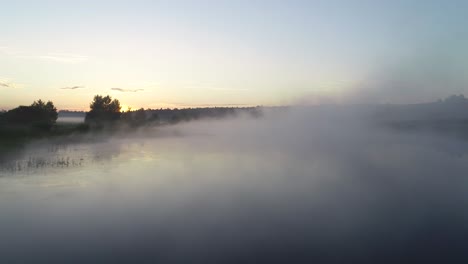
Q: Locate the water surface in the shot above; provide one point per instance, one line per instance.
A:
(236, 192)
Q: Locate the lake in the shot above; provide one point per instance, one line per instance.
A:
(70, 118)
(295, 189)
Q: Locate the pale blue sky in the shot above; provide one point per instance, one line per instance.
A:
(189, 53)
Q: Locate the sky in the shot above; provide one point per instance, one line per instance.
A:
(175, 53)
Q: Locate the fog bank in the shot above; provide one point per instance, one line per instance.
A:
(323, 185)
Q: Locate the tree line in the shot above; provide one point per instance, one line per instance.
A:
(39, 115)
(107, 112)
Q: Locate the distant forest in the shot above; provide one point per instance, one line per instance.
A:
(175, 115)
(40, 118)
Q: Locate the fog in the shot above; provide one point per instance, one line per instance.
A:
(309, 185)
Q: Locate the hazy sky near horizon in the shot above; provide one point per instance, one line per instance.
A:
(194, 53)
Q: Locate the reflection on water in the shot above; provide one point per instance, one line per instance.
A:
(219, 195)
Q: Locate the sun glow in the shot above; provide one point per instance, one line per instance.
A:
(125, 108)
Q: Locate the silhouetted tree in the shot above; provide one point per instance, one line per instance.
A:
(2, 116)
(103, 110)
(38, 114)
(48, 110)
(134, 118)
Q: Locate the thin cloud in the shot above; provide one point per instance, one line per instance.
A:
(55, 56)
(127, 90)
(6, 83)
(63, 57)
(72, 87)
(219, 89)
(229, 89)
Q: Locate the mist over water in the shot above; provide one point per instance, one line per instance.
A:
(319, 185)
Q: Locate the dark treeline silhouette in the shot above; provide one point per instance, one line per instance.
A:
(175, 115)
(22, 122)
(450, 114)
(188, 114)
(161, 116)
(104, 110)
(39, 115)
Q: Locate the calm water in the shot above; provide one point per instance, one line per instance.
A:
(70, 119)
(236, 192)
